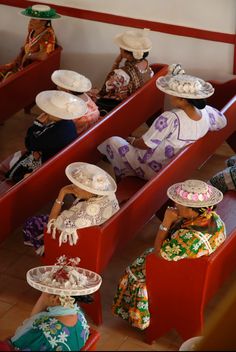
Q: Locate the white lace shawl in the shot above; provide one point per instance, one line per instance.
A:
(91, 212)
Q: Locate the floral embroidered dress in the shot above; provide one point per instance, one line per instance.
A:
(44, 41)
(91, 116)
(92, 212)
(49, 334)
(192, 239)
(125, 80)
(169, 133)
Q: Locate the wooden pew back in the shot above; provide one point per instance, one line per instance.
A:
(21, 88)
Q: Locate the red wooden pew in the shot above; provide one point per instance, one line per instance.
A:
(31, 194)
(19, 90)
(139, 201)
(178, 291)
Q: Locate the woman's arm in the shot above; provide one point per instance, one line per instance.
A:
(56, 209)
(137, 143)
(170, 217)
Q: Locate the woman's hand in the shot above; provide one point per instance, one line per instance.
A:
(170, 217)
(69, 189)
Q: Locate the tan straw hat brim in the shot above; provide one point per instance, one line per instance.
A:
(215, 197)
(93, 284)
(71, 80)
(207, 90)
(92, 169)
(61, 104)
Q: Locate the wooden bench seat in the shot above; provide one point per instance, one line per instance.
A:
(20, 89)
(139, 201)
(31, 194)
(178, 291)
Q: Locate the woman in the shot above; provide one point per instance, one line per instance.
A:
(225, 180)
(95, 203)
(51, 131)
(190, 229)
(56, 322)
(189, 120)
(77, 84)
(40, 40)
(126, 77)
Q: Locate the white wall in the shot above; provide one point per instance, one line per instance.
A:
(88, 46)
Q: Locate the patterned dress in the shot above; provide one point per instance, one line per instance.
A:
(91, 116)
(225, 180)
(45, 42)
(192, 239)
(49, 334)
(122, 82)
(169, 133)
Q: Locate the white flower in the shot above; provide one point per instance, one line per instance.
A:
(93, 209)
(125, 315)
(62, 337)
(197, 245)
(53, 341)
(139, 261)
(142, 305)
(188, 235)
(43, 326)
(146, 319)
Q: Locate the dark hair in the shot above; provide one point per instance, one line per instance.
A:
(145, 54)
(83, 299)
(203, 209)
(198, 103)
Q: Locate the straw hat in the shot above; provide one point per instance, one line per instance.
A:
(194, 193)
(91, 178)
(61, 104)
(135, 41)
(71, 80)
(40, 12)
(64, 280)
(185, 86)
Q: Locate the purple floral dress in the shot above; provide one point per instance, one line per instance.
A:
(169, 133)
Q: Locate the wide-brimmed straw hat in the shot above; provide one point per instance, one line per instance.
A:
(194, 193)
(185, 86)
(71, 80)
(61, 104)
(40, 12)
(64, 280)
(91, 178)
(135, 41)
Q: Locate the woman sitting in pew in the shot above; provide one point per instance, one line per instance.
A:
(95, 202)
(225, 180)
(51, 131)
(56, 322)
(40, 40)
(77, 84)
(190, 229)
(189, 120)
(130, 70)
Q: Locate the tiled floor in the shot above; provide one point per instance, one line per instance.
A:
(17, 298)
